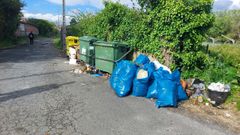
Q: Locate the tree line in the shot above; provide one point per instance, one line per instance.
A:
(226, 23)
(46, 28)
(10, 15)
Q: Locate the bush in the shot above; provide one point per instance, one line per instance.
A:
(172, 31)
(45, 27)
(9, 18)
(82, 25)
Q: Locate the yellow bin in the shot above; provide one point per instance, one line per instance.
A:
(72, 41)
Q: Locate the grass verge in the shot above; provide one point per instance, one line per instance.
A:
(230, 55)
(57, 43)
(224, 67)
(11, 43)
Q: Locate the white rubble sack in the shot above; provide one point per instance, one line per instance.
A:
(219, 87)
(73, 61)
(159, 65)
(72, 53)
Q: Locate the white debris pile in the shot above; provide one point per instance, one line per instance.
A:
(72, 56)
(159, 65)
(219, 87)
(142, 74)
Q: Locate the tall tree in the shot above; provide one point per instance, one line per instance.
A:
(9, 17)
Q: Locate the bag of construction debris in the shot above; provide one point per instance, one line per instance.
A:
(153, 89)
(142, 60)
(122, 77)
(181, 94)
(167, 89)
(142, 80)
(72, 53)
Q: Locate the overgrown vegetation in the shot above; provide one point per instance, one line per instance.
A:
(9, 18)
(57, 43)
(230, 56)
(224, 68)
(170, 30)
(46, 28)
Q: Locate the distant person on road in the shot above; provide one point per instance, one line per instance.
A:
(31, 37)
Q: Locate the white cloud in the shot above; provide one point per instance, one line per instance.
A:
(226, 4)
(235, 4)
(95, 3)
(57, 19)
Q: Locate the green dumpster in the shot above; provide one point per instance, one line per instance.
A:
(108, 53)
(87, 49)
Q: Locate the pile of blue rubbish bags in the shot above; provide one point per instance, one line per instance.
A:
(140, 79)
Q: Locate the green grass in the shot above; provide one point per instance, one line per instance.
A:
(238, 105)
(11, 43)
(5, 44)
(229, 56)
(224, 67)
(229, 53)
(57, 43)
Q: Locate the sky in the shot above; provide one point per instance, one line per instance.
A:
(51, 9)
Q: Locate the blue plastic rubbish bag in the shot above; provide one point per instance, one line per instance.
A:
(122, 77)
(167, 89)
(181, 94)
(139, 89)
(141, 60)
(153, 89)
(141, 83)
(167, 93)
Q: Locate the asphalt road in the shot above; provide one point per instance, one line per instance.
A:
(40, 96)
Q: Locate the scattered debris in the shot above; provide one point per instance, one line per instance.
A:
(159, 65)
(184, 84)
(72, 56)
(77, 71)
(218, 92)
(219, 87)
(227, 115)
(200, 99)
(97, 75)
(142, 74)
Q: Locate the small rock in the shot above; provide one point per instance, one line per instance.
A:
(227, 115)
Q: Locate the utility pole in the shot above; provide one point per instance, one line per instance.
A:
(63, 26)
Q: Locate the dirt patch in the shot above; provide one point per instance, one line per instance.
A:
(226, 117)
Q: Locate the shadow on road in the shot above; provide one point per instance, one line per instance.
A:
(30, 91)
(24, 76)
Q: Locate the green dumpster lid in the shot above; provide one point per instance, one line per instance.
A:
(88, 38)
(110, 44)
